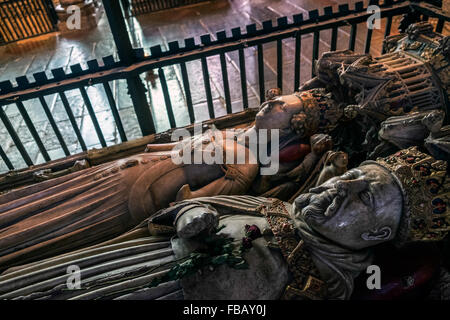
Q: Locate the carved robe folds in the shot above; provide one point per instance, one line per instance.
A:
(99, 203)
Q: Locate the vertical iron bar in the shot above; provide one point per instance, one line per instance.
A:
(29, 23)
(39, 20)
(54, 126)
(14, 17)
(353, 30)
(134, 7)
(334, 34)
(6, 159)
(115, 111)
(368, 41)
(9, 18)
(440, 25)
(136, 88)
(119, 31)
(33, 16)
(226, 85)
(151, 6)
(262, 90)
(44, 16)
(315, 52)
(13, 134)
(166, 94)
(243, 74)
(32, 130)
(280, 64)
(207, 88)
(19, 14)
(91, 112)
(72, 120)
(143, 4)
(50, 13)
(187, 92)
(297, 67)
(4, 26)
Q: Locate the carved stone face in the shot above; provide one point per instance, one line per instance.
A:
(359, 209)
(341, 160)
(277, 113)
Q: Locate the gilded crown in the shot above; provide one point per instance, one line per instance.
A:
(320, 112)
(425, 185)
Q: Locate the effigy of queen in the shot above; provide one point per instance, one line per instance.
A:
(145, 227)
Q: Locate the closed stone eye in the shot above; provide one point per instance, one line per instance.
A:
(367, 198)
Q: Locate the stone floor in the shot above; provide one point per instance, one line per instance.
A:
(56, 50)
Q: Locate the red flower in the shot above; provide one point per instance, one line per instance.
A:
(247, 243)
(252, 231)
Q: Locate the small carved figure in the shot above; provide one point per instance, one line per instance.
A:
(335, 165)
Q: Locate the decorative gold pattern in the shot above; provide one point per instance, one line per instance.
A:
(306, 283)
(320, 112)
(426, 185)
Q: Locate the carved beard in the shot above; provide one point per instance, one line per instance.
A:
(318, 207)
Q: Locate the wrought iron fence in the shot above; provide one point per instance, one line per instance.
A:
(137, 7)
(102, 73)
(22, 19)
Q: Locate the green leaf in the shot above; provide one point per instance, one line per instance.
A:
(241, 265)
(218, 260)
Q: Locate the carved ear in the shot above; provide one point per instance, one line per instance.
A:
(381, 234)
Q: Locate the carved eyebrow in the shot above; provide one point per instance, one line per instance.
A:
(351, 174)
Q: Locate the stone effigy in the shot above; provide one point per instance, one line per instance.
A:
(95, 204)
(311, 249)
(396, 101)
(412, 76)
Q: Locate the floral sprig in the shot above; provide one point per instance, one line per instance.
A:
(215, 250)
(251, 233)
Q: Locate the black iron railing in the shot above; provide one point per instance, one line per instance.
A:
(102, 73)
(23, 19)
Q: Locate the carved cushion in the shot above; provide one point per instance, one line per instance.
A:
(294, 152)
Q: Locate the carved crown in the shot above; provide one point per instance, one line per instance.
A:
(320, 112)
(426, 188)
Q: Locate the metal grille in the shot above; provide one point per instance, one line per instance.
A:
(23, 19)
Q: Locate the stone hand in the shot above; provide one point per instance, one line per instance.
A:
(320, 143)
(197, 220)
